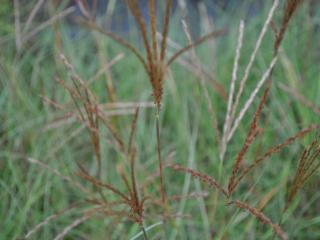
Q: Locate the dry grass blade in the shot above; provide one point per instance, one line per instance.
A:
(89, 214)
(82, 95)
(74, 95)
(92, 25)
(105, 68)
(84, 8)
(57, 173)
(186, 187)
(299, 97)
(84, 175)
(251, 98)
(154, 175)
(203, 177)
(130, 105)
(199, 72)
(98, 202)
(51, 102)
(234, 73)
(90, 112)
(228, 118)
(49, 219)
(253, 56)
(112, 130)
(117, 215)
(261, 217)
(188, 196)
(32, 15)
(269, 196)
(47, 23)
(143, 232)
(103, 59)
(17, 24)
(123, 175)
(213, 34)
(193, 68)
(71, 117)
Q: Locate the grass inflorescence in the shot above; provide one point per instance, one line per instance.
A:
(99, 163)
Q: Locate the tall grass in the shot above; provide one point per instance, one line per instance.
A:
(99, 168)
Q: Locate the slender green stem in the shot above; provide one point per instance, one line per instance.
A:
(144, 232)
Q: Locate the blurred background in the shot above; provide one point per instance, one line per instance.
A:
(37, 115)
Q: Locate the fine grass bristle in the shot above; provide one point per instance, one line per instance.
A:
(261, 217)
(309, 163)
(201, 176)
(152, 13)
(252, 134)
(273, 150)
(51, 218)
(154, 66)
(89, 115)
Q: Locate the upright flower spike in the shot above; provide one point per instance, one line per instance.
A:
(154, 63)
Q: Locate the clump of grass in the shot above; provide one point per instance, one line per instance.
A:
(131, 203)
(232, 123)
(155, 63)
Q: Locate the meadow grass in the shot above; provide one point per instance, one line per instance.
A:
(52, 172)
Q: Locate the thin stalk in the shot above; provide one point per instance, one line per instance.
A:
(152, 13)
(162, 188)
(144, 232)
(213, 34)
(165, 30)
(93, 26)
(134, 183)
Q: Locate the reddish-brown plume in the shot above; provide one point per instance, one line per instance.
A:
(290, 8)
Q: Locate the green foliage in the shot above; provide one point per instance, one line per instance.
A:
(30, 127)
(6, 16)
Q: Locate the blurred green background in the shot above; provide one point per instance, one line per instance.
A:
(32, 128)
